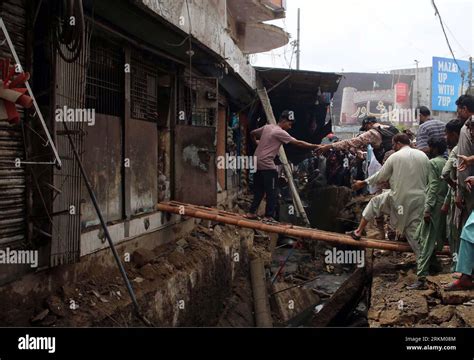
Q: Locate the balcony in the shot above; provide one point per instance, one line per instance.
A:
(262, 37)
(255, 11)
(248, 30)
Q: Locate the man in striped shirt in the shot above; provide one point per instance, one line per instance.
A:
(429, 128)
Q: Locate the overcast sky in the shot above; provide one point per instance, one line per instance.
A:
(373, 35)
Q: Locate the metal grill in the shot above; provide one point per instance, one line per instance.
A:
(70, 88)
(144, 90)
(203, 117)
(105, 78)
(198, 101)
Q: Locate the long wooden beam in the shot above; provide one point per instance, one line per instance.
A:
(226, 217)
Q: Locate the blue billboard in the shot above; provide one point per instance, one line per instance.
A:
(447, 84)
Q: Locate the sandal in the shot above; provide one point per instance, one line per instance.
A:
(459, 285)
(354, 235)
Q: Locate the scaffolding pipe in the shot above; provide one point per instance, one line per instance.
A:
(282, 229)
(263, 317)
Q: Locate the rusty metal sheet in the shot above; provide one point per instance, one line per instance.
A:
(143, 166)
(12, 179)
(12, 185)
(195, 165)
(102, 161)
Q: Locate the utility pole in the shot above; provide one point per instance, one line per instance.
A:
(417, 85)
(298, 51)
(470, 75)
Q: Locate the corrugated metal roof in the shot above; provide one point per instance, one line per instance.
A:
(301, 86)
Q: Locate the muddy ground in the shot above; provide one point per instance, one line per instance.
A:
(196, 282)
(392, 305)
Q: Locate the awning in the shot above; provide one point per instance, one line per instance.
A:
(298, 86)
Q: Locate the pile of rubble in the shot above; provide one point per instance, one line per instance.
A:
(392, 305)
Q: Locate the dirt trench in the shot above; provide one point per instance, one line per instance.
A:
(203, 279)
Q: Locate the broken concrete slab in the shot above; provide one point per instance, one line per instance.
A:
(393, 305)
(148, 272)
(449, 297)
(441, 314)
(289, 303)
(466, 314)
(142, 256)
(406, 311)
(455, 322)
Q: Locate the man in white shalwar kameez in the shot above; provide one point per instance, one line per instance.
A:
(407, 172)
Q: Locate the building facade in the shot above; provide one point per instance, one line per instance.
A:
(155, 90)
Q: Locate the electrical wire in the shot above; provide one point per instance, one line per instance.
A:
(444, 32)
(178, 44)
(69, 29)
(457, 42)
(190, 54)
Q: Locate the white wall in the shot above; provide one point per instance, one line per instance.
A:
(209, 25)
(424, 81)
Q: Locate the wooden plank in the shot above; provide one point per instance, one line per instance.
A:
(341, 299)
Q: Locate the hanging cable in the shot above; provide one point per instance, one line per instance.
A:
(190, 55)
(444, 32)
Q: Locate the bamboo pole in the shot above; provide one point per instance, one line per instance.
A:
(282, 229)
(262, 93)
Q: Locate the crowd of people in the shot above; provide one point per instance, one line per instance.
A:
(424, 184)
(428, 199)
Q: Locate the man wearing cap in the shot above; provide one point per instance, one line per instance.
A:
(269, 138)
(376, 134)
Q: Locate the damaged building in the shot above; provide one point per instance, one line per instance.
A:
(164, 88)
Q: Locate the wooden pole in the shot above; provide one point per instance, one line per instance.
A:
(263, 317)
(262, 93)
(288, 230)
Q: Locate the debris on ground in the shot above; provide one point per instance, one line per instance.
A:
(392, 305)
